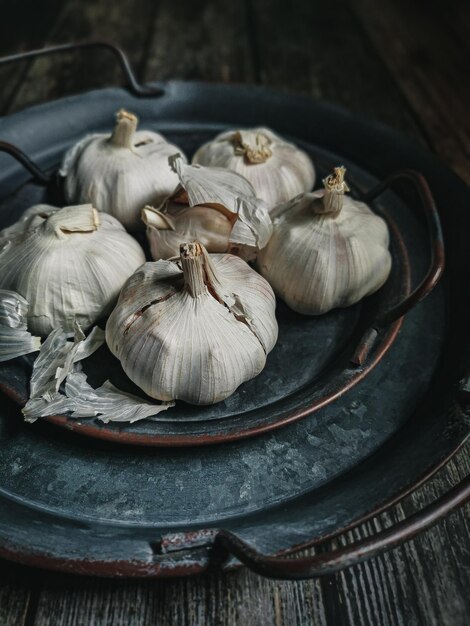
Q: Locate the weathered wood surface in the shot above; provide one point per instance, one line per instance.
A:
(388, 60)
(428, 55)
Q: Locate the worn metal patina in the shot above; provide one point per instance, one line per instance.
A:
(72, 503)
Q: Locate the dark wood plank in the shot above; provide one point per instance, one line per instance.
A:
(237, 598)
(125, 23)
(422, 582)
(24, 26)
(319, 48)
(431, 65)
(15, 602)
(456, 18)
(200, 41)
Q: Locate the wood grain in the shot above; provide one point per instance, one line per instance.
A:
(319, 48)
(19, 35)
(126, 24)
(15, 601)
(380, 60)
(429, 62)
(421, 581)
(200, 41)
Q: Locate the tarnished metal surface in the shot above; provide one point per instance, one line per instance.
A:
(317, 350)
(89, 506)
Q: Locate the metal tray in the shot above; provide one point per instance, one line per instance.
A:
(76, 504)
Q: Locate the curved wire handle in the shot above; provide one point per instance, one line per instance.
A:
(38, 174)
(436, 267)
(225, 544)
(132, 83)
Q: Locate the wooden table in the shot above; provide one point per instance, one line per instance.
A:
(401, 63)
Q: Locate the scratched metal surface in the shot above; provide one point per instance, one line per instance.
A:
(309, 360)
(85, 499)
(312, 355)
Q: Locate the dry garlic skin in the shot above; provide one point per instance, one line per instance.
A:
(327, 250)
(212, 205)
(194, 328)
(278, 170)
(69, 264)
(166, 231)
(120, 173)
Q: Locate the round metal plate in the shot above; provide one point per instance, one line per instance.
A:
(96, 507)
(316, 350)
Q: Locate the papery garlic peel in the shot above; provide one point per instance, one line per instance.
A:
(327, 250)
(120, 173)
(277, 169)
(69, 264)
(195, 328)
(216, 206)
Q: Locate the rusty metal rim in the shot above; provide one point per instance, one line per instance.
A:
(454, 498)
(356, 552)
(97, 432)
(158, 441)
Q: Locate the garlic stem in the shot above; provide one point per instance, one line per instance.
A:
(254, 146)
(123, 133)
(193, 265)
(331, 202)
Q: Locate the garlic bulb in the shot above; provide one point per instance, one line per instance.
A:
(327, 250)
(217, 207)
(121, 172)
(278, 170)
(193, 328)
(69, 264)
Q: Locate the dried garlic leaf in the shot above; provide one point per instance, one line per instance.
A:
(107, 403)
(57, 356)
(15, 340)
(211, 185)
(253, 227)
(57, 361)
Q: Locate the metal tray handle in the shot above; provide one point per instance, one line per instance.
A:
(224, 544)
(132, 84)
(436, 267)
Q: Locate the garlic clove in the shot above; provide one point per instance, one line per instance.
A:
(193, 328)
(165, 232)
(215, 206)
(121, 172)
(69, 264)
(327, 250)
(277, 169)
(216, 187)
(155, 218)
